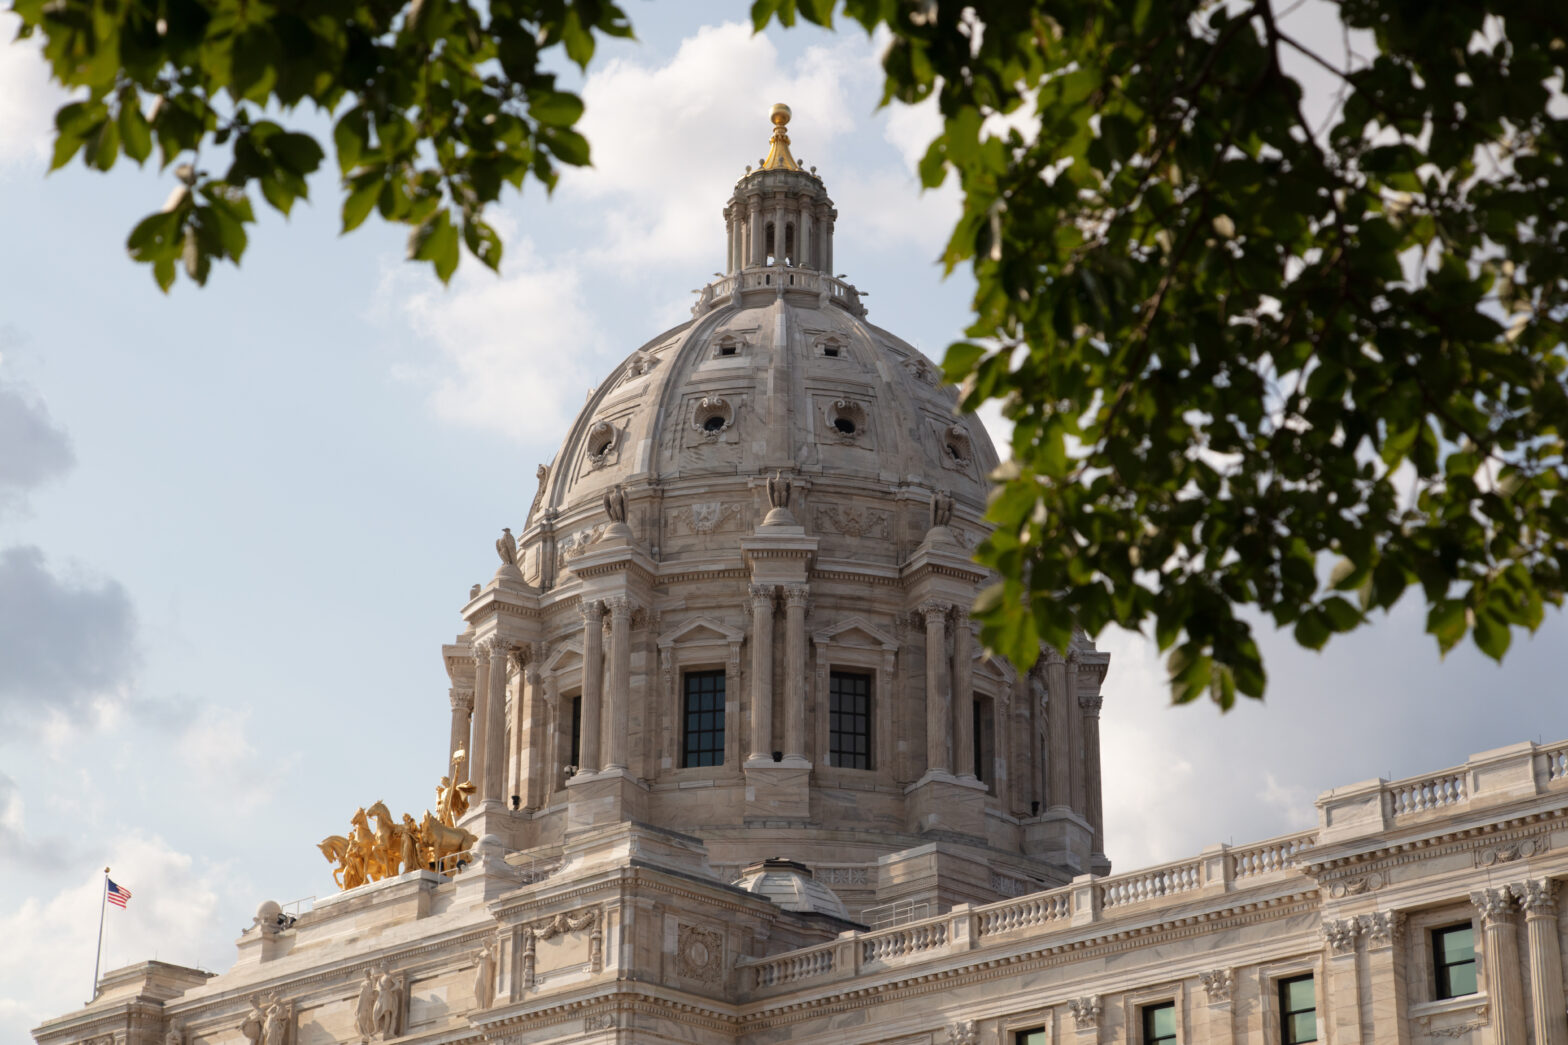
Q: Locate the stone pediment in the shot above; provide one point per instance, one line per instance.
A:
(565, 655)
(855, 631)
(700, 630)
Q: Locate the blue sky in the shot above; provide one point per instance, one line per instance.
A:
(236, 523)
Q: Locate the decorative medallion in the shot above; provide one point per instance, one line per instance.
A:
(699, 954)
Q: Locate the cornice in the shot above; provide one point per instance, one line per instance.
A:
(1405, 851)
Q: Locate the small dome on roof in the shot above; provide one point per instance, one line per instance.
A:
(791, 886)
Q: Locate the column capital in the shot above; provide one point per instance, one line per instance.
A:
(1383, 928)
(620, 606)
(796, 594)
(934, 611)
(1091, 704)
(592, 611)
(481, 651)
(462, 699)
(1049, 657)
(761, 595)
(1217, 984)
(1536, 896)
(1341, 933)
(1493, 905)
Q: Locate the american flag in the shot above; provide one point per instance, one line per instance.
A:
(118, 894)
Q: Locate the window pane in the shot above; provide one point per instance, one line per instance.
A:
(703, 706)
(1303, 1026)
(1159, 1023)
(1458, 945)
(1298, 994)
(849, 719)
(1461, 980)
(1030, 1037)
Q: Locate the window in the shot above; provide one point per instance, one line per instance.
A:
(977, 732)
(849, 719)
(1453, 960)
(1159, 1024)
(577, 732)
(1032, 1036)
(1298, 1010)
(704, 714)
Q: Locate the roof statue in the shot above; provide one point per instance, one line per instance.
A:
(779, 158)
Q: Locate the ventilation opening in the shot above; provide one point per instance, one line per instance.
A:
(789, 244)
(600, 438)
(831, 351)
(952, 451)
(726, 350)
(845, 425)
(713, 424)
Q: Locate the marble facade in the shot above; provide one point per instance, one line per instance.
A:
(874, 831)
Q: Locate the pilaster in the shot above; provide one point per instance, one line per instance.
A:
(1500, 944)
(1537, 897)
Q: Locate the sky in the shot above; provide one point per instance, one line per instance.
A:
(237, 522)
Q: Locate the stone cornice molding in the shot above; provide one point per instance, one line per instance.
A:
(1392, 853)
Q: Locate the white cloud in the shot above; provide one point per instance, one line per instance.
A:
(517, 353)
(171, 914)
(27, 100)
(36, 448)
(233, 772)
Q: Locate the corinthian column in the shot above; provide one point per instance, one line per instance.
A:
(462, 710)
(1500, 932)
(939, 703)
(476, 750)
(963, 698)
(1080, 798)
(593, 685)
(795, 671)
(493, 783)
(620, 680)
(762, 671)
(532, 746)
(1538, 898)
(1059, 727)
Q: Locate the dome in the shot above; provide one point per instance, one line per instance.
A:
(791, 886)
(738, 608)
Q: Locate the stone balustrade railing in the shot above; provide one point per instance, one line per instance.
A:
(1151, 884)
(1277, 854)
(1487, 779)
(773, 277)
(1360, 813)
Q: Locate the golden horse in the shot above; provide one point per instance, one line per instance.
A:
(389, 840)
(335, 849)
(444, 842)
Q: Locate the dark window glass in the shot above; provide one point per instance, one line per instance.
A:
(1159, 1023)
(1034, 1036)
(1298, 1010)
(704, 711)
(1453, 959)
(978, 732)
(849, 720)
(577, 731)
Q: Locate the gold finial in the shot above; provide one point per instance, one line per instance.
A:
(778, 158)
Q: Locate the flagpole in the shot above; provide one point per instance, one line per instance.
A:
(103, 902)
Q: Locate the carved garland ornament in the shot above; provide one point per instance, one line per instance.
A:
(1218, 984)
(1086, 1012)
(699, 954)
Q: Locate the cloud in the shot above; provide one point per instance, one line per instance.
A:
(27, 100)
(518, 353)
(217, 746)
(36, 449)
(171, 914)
(68, 641)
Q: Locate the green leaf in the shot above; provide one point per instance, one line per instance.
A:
(555, 108)
(351, 136)
(361, 198)
(135, 133)
(1446, 621)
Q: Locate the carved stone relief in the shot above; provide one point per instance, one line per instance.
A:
(837, 876)
(1086, 1012)
(703, 519)
(964, 1032)
(1355, 886)
(570, 547)
(699, 954)
(845, 422)
(1218, 984)
(854, 522)
(1507, 852)
(1383, 928)
(604, 444)
(598, 1021)
(1341, 933)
